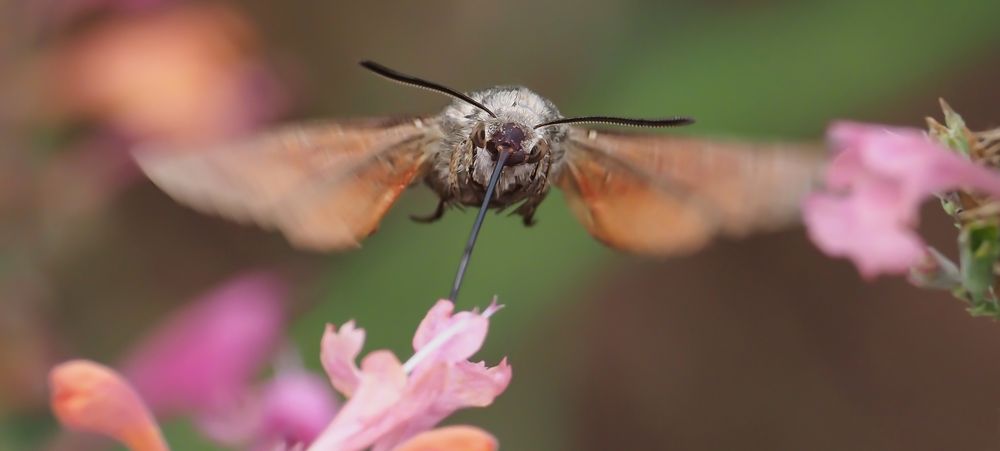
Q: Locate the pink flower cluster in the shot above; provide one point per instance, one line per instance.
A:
(201, 362)
(388, 401)
(874, 187)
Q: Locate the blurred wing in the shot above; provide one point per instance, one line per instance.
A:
(326, 186)
(668, 195)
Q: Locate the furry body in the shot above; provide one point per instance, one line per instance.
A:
(460, 169)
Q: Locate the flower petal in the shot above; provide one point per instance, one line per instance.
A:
(297, 406)
(234, 426)
(861, 231)
(451, 438)
(338, 352)
(911, 158)
(91, 397)
(438, 318)
(876, 184)
(388, 407)
(365, 415)
(291, 408)
(452, 338)
(474, 385)
(204, 357)
(449, 388)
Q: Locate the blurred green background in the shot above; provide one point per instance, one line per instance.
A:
(757, 344)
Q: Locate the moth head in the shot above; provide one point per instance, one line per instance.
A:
(521, 141)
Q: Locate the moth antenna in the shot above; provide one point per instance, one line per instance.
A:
(410, 80)
(628, 122)
(463, 264)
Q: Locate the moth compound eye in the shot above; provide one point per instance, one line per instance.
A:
(479, 136)
(538, 151)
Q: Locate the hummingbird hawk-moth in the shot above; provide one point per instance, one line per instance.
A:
(327, 185)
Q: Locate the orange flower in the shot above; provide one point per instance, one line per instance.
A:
(180, 73)
(451, 438)
(90, 397)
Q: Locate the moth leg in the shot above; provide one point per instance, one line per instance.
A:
(434, 216)
(527, 209)
(460, 168)
(537, 190)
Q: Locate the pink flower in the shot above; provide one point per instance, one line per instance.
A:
(202, 361)
(875, 185)
(293, 408)
(391, 405)
(390, 402)
(205, 356)
(296, 406)
(90, 397)
(289, 410)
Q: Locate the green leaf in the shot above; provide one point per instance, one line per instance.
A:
(954, 133)
(979, 244)
(937, 272)
(985, 309)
